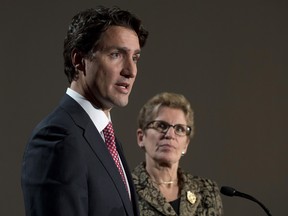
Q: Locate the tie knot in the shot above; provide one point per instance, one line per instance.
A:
(109, 133)
(109, 127)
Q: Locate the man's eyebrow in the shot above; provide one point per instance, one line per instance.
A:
(122, 49)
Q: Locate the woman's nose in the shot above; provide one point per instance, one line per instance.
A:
(170, 132)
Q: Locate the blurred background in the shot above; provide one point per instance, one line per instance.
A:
(229, 58)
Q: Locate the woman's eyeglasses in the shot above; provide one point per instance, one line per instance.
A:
(163, 127)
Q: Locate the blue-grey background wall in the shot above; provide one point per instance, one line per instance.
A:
(229, 58)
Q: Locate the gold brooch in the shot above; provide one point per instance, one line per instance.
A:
(191, 197)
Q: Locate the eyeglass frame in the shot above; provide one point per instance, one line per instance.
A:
(186, 128)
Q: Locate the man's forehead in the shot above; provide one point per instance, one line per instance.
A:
(115, 35)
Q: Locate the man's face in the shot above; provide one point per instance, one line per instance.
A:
(111, 71)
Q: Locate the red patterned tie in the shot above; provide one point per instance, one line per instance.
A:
(110, 142)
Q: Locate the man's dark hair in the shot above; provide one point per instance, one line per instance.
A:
(86, 28)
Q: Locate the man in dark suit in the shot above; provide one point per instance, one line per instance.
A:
(69, 167)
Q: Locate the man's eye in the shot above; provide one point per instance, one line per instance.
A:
(136, 58)
(115, 55)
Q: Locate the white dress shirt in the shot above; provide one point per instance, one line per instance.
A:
(98, 117)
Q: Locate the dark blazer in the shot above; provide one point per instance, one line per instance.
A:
(68, 171)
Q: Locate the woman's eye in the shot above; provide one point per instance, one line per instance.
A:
(162, 126)
(180, 128)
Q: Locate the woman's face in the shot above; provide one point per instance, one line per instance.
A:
(164, 148)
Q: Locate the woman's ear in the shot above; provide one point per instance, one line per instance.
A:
(140, 135)
(186, 145)
(78, 60)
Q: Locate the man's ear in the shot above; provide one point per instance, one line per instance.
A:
(140, 135)
(78, 60)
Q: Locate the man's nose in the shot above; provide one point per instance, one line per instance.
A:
(129, 68)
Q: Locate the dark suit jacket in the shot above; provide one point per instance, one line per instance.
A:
(68, 171)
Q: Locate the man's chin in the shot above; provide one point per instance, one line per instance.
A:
(121, 101)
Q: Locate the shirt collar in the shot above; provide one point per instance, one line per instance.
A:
(97, 116)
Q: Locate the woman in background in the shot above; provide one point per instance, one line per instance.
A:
(165, 128)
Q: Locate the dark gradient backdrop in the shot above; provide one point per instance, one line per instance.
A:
(228, 57)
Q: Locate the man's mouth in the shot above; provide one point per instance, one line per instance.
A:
(123, 87)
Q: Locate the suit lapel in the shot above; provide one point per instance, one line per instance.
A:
(134, 199)
(99, 148)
